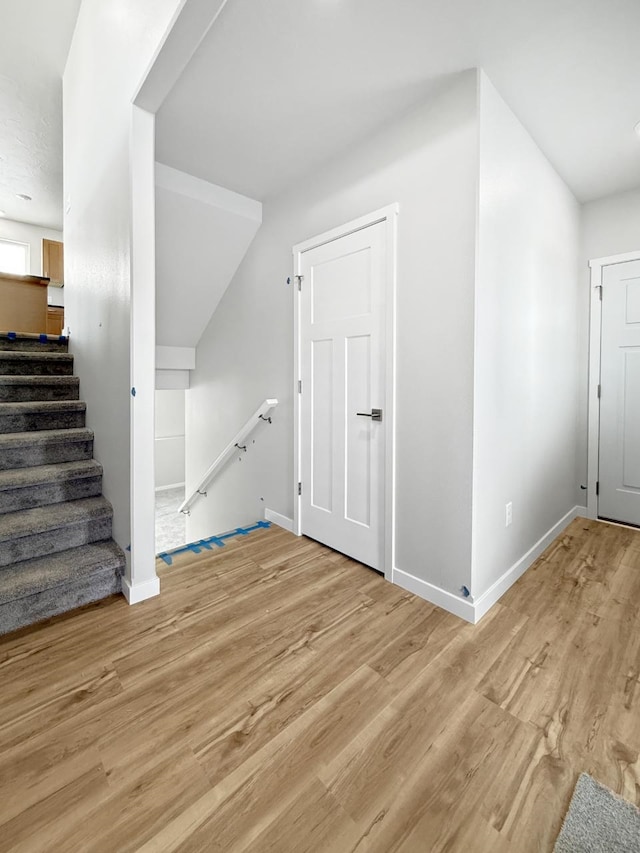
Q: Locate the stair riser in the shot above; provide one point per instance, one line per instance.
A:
(46, 494)
(36, 392)
(53, 541)
(29, 345)
(30, 455)
(35, 367)
(50, 602)
(41, 420)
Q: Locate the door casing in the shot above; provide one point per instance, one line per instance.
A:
(388, 215)
(595, 324)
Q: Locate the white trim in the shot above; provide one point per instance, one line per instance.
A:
(203, 191)
(497, 590)
(347, 228)
(141, 569)
(473, 611)
(436, 595)
(170, 486)
(595, 323)
(615, 259)
(389, 215)
(281, 520)
(135, 593)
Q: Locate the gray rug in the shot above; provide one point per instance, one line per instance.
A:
(598, 821)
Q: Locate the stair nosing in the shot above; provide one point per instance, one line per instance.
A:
(52, 520)
(41, 436)
(41, 405)
(15, 355)
(37, 379)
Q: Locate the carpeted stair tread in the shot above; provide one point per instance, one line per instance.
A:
(17, 478)
(29, 342)
(30, 522)
(43, 485)
(56, 550)
(35, 575)
(41, 414)
(21, 363)
(16, 388)
(44, 447)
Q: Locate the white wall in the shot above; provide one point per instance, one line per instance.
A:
(526, 344)
(169, 438)
(426, 161)
(610, 226)
(112, 47)
(202, 233)
(33, 235)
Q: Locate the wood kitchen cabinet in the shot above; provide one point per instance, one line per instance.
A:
(55, 320)
(53, 261)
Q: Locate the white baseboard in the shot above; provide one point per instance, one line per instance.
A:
(473, 610)
(435, 594)
(166, 488)
(497, 589)
(280, 520)
(135, 593)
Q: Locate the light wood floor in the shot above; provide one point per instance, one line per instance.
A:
(279, 697)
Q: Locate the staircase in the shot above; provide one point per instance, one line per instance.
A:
(56, 551)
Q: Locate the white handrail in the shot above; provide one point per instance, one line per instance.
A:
(229, 450)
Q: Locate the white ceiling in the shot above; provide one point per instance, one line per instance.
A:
(276, 88)
(34, 41)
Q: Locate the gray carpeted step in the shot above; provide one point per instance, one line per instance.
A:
(47, 414)
(26, 342)
(26, 488)
(46, 530)
(39, 588)
(44, 447)
(14, 363)
(19, 389)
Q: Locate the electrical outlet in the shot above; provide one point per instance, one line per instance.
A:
(508, 514)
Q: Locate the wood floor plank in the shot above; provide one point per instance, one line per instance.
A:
(279, 696)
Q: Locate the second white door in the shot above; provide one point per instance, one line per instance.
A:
(619, 464)
(343, 425)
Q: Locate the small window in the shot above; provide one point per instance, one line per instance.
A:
(14, 257)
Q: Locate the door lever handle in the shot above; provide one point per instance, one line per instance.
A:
(374, 414)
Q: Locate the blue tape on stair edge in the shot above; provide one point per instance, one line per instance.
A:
(196, 547)
(43, 339)
(12, 336)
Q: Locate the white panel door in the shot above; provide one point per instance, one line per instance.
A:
(342, 363)
(619, 465)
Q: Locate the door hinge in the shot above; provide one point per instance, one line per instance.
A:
(599, 288)
(299, 279)
(599, 391)
(598, 487)
(299, 386)
(299, 488)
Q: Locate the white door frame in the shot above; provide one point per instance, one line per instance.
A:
(388, 215)
(595, 323)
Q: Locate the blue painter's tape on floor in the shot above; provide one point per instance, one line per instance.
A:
(196, 547)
